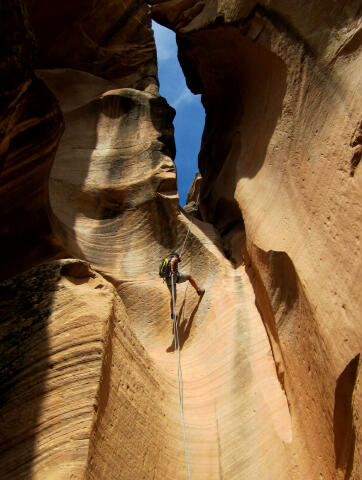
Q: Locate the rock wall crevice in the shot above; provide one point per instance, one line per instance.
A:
(30, 128)
(256, 106)
(270, 354)
(344, 430)
(270, 185)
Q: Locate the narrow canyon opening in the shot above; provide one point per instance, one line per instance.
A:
(190, 115)
(270, 354)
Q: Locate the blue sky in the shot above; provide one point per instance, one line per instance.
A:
(190, 114)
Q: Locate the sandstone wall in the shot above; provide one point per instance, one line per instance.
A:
(114, 163)
(30, 127)
(280, 158)
(270, 354)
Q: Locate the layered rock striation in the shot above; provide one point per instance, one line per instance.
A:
(270, 355)
(31, 124)
(280, 165)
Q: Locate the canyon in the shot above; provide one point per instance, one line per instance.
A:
(270, 355)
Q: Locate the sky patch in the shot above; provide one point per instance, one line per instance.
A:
(190, 114)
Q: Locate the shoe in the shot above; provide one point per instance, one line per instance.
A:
(200, 292)
(172, 316)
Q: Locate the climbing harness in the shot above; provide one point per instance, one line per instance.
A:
(179, 375)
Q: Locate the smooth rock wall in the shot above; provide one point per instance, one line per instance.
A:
(270, 355)
(280, 158)
(55, 321)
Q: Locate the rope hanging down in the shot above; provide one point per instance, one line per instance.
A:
(177, 345)
(179, 375)
(188, 231)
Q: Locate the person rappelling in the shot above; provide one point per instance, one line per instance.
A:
(169, 271)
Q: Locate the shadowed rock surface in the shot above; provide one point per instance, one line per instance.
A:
(107, 38)
(271, 353)
(30, 127)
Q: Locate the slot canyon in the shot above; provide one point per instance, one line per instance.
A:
(270, 354)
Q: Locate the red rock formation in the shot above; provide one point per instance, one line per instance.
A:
(55, 322)
(280, 158)
(30, 127)
(270, 355)
(109, 39)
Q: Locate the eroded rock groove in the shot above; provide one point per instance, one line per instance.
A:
(271, 354)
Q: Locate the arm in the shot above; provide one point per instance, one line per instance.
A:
(174, 262)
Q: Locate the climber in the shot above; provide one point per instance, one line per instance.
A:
(169, 270)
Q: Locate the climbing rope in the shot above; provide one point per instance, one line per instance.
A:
(188, 230)
(177, 346)
(187, 234)
(179, 375)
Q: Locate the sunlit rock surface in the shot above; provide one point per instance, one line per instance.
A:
(270, 354)
(96, 378)
(123, 217)
(114, 161)
(280, 161)
(55, 321)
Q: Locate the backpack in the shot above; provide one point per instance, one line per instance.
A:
(165, 267)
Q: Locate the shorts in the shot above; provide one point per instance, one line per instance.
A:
(180, 277)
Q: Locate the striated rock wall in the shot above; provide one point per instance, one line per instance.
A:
(270, 355)
(280, 158)
(114, 160)
(30, 127)
(110, 39)
(123, 216)
(55, 321)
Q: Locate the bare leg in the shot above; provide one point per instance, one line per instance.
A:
(193, 283)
